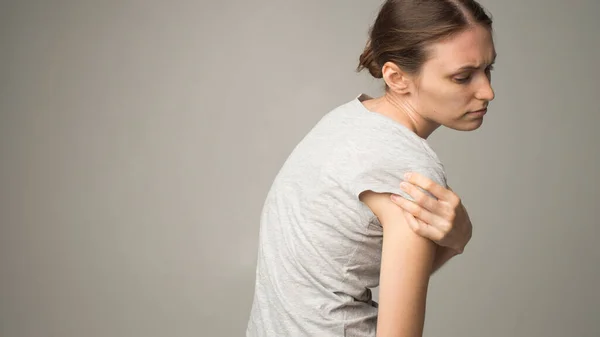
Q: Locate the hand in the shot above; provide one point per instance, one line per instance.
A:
(444, 221)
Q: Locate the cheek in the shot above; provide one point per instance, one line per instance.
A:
(445, 99)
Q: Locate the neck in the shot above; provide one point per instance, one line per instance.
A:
(401, 110)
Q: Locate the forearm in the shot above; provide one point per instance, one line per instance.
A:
(442, 255)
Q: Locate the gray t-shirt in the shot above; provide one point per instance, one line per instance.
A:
(320, 246)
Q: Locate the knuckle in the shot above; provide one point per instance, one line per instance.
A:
(447, 227)
(457, 200)
(440, 238)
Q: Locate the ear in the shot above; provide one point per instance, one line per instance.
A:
(396, 79)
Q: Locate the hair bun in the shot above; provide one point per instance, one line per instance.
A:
(367, 61)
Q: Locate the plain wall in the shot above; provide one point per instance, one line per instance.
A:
(138, 140)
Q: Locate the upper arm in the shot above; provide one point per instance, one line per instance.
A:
(406, 264)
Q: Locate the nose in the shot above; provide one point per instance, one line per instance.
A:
(485, 92)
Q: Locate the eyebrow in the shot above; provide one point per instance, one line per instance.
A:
(475, 67)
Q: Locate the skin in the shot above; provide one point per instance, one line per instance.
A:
(442, 219)
(419, 237)
(438, 95)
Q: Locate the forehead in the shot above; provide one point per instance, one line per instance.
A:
(474, 46)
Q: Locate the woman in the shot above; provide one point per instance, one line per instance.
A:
(336, 221)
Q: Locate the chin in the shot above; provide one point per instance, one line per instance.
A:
(467, 125)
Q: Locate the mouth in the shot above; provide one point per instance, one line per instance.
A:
(478, 113)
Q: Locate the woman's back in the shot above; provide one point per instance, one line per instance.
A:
(320, 247)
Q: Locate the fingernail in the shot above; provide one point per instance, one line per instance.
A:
(404, 185)
(407, 175)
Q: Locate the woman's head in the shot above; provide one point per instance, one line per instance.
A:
(435, 57)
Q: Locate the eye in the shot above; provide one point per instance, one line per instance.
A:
(463, 79)
(489, 69)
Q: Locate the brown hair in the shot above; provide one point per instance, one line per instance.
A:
(405, 28)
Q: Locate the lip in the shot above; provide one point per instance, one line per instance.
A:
(478, 113)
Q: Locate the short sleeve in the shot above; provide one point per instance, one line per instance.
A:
(387, 180)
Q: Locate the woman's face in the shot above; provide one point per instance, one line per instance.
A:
(454, 86)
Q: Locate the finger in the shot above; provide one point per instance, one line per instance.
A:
(412, 222)
(421, 222)
(429, 185)
(421, 198)
(422, 229)
(430, 218)
(414, 209)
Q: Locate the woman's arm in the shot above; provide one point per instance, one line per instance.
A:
(439, 216)
(406, 264)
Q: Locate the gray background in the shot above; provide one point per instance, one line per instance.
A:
(138, 140)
